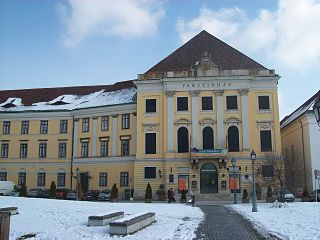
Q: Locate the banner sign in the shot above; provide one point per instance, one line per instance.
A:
(234, 182)
(183, 182)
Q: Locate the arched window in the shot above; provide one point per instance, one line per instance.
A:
(207, 138)
(233, 139)
(183, 140)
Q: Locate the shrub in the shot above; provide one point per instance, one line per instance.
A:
(53, 189)
(269, 192)
(245, 194)
(148, 192)
(114, 192)
(23, 190)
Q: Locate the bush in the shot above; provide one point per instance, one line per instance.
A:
(23, 190)
(148, 192)
(53, 189)
(183, 194)
(269, 192)
(245, 194)
(114, 192)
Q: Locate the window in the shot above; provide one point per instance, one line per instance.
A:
(232, 103)
(44, 127)
(61, 179)
(125, 147)
(151, 105)
(125, 121)
(124, 179)
(233, 139)
(3, 175)
(103, 179)
(265, 140)
(207, 103)
(24, 127)
(4, 150)
(62, 150)
(182, 104)
(23, 150)
(85, 125)
(41, 179)
(63, 126)
(22, 178)
(104, 148)
(150, 172)
(183, 140)
(42, 150)
(171, 178)
(150, 143)
(264, 103)
(6, 127)
(85, 149)
(268, 171)
(207, 138)
(105, 123)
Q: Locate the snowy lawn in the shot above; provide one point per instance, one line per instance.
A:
(59, 219)
(297, 220)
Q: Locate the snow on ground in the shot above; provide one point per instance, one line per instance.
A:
(62, 219)
(296, 221)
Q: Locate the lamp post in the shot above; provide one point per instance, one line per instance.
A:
(254, 197)
(316, 109)
(77, 186)
(233, 162)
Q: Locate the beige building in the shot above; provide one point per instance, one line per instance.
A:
(179, 124)
(300, 136)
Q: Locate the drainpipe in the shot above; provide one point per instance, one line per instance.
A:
(303, 156)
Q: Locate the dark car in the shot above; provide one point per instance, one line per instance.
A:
(43, 193)
(312, 195)
(289, 197)
(91, 195)
(32, 193)
(61, 193)
(105, 195)
(71, 195)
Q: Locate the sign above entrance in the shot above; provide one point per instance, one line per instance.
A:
(205, 153)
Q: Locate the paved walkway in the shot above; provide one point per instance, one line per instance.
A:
(221, 223)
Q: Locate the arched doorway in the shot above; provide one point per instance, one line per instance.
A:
(208, 178)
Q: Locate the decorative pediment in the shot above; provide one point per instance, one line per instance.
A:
(182, 121)
(207, 121)
(265, 125)
(150, 127)
(232, 121)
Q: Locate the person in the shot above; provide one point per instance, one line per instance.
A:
(171, 196)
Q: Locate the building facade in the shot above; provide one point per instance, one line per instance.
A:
(178, 124)
(300, 136)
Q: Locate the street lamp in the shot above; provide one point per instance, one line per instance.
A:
(316, 109)
(233, 162)
(254, 197)
(77, 186)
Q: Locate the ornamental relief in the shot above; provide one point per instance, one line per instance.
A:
(152, 127)
(264, 125)
(232, 122)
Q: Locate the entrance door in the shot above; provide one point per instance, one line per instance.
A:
(84, 180)
(208, 179)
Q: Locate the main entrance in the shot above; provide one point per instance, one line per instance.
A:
(208, 178)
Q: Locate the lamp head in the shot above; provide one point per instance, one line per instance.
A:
(253, 155)
(233, 162)
(77, 171)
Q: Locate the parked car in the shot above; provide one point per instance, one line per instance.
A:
(104, 195)
(61, 193)
(71, 195)
(6, 187)
(32, 193)
(288, 196)
(91, 195)
(312, 195)
(43, 193)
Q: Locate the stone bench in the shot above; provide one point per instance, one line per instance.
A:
(103, 220)
(131, 224)
(11, 210)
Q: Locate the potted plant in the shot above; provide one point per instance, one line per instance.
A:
(148, 196)
(245, 196)
(161, 192)
(114, 193)
(269, 195)
(183, 198)
(305, 196)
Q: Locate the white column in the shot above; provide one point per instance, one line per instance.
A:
(195, 119)
(220, 127)
(170, 119)
(75, 137)
(245, 119)
(94, 137)
(134, 137)
(114, 135)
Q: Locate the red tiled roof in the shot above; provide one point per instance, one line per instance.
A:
(30, 96)
(188, 54)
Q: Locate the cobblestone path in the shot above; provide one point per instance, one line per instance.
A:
(221, 223)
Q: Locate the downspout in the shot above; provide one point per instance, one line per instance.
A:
(303, 156)
(71, 162)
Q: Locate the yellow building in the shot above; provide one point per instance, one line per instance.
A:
(179, 124)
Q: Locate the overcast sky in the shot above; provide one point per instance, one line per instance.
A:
(45, 43)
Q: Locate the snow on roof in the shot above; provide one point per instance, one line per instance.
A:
(73, 102)
(308, 105)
